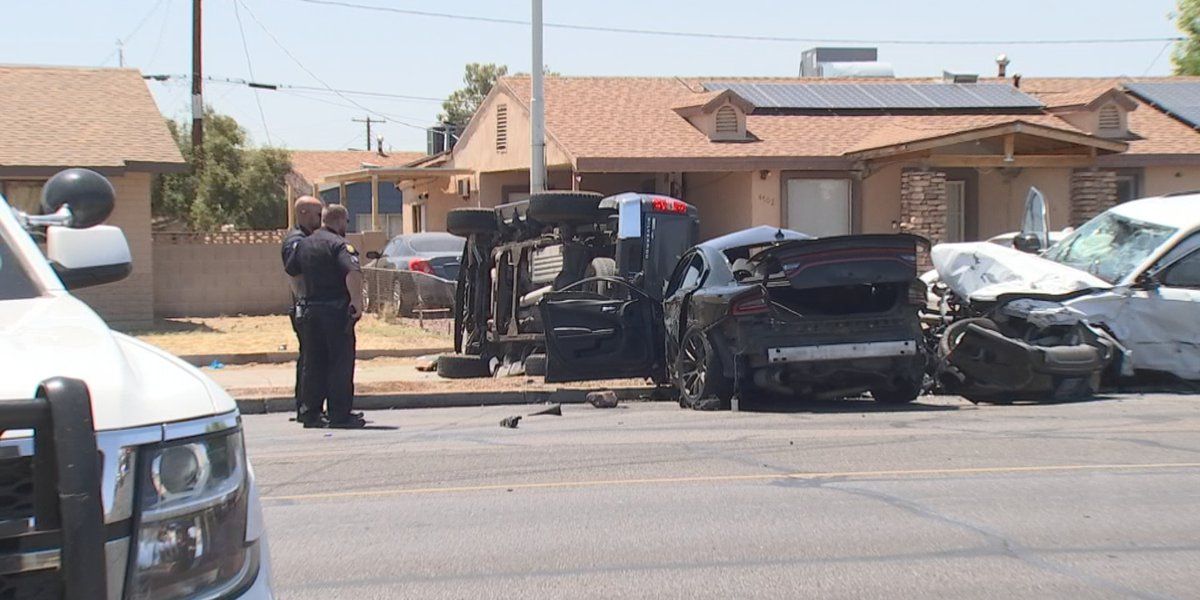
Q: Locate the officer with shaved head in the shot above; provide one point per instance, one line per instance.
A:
(307, 210)
(328, 272)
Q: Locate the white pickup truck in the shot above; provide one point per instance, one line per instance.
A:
(171, 505)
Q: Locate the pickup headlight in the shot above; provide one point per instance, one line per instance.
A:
(191, 530)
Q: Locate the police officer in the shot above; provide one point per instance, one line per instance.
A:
(331, 306)
(308, 219)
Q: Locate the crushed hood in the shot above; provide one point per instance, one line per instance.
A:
(131, 383)
(982, 271)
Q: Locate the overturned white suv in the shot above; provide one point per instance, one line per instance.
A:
(122, 469)
(1127, 281)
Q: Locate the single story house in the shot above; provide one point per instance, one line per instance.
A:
(310, 168)
(949, 160)
(53, 118)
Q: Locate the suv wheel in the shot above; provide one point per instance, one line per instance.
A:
(462, 366)
(565, 208)
(464, 222)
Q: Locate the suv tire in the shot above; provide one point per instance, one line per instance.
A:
(565, 208)
(535, 365)
(464, 222)
(462, 366)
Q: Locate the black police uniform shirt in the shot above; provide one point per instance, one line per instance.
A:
(324, 258)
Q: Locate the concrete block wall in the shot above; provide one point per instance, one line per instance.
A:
(199, 275)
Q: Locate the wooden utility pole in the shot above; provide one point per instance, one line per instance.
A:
(197, 87)
(368, 121)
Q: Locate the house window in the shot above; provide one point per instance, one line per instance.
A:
(727, 121)
(1129, 186)
(23, 195)
(501, 128)
(956, 194)
(391, 224)
(1110, 120)
(819, 207)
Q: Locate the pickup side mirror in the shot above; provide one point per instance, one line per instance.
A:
(88, 196)
(373, 255)
(87, 257)
(1028, 242)
(1147, 280)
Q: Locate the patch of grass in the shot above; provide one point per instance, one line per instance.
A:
(273, 333)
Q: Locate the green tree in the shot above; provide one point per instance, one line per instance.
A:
(477, 83)
(1186, 56)
(238, 185)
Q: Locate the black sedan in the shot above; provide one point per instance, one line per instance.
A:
(762, 309)
(420, 268)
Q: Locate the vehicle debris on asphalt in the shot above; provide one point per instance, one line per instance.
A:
(602, 399)
(552, 410)
(510, 422)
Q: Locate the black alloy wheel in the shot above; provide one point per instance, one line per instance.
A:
(698, 374)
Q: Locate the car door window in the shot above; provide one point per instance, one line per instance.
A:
(1185, 273)
(687, 276)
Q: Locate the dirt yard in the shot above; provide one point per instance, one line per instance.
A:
(243, 334)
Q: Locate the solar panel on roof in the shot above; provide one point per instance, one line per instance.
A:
(1180, 98)
(854, 96)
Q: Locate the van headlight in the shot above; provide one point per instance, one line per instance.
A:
(191, 529)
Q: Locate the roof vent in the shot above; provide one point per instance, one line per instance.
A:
(1110, 119)
(727, 121)
(501, 128)
(950, 77)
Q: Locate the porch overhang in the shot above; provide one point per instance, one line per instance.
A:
(1015, 144)
(394, 174)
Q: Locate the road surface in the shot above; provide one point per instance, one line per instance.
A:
(1097, 499)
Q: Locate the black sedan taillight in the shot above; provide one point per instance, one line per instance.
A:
(753, 302)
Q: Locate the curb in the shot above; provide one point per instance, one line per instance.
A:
(201, 360)
(276, 404)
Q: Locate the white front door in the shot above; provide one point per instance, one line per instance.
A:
(819, 207)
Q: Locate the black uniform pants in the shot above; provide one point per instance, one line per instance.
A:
(300, 354)
(328, 368)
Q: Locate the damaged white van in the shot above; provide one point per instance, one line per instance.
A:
(122, 469)
(1131, 275)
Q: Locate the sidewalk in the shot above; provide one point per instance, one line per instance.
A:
(396, 383)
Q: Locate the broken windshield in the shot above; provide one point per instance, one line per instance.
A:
(1110, 246)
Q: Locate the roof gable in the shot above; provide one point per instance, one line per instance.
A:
(315, 165)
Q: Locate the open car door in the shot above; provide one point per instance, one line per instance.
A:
(601, 336)
(1034, 219)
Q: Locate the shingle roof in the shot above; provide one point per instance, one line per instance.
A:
(313, 165)
(635, 117)
(87, 117)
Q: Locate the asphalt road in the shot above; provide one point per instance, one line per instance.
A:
(838, 500)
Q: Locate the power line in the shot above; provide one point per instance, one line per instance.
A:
(749, 38)
(162, 30)
(250, 68)
(314, 75)
(125, 40)
(289, 86)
